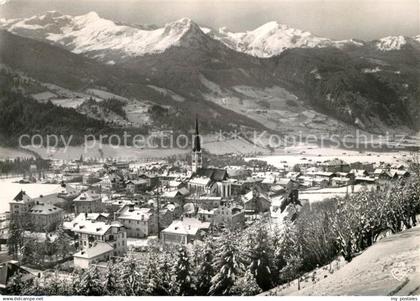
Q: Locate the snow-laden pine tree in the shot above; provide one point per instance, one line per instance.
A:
(165, 273)
(55, 286)
(286, 249)
(131, 278)
(260, 256)
(205, 270)
(157, 275)
(150, 275)
(246, 285)
(183, 283)
(228, 266)
(111, 277)
(89, 283)
(35, 289)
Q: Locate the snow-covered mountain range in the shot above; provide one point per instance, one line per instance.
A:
(91, 34)
(272, 39)
(105, 39)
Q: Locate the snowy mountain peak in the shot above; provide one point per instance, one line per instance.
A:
(270, 39)
(52, 14)
(181, 26)
(88, 18)
(273, 28)
(391, 43)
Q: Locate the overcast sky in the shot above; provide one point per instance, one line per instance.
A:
(337, 19)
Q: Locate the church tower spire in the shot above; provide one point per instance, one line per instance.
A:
(196, 160)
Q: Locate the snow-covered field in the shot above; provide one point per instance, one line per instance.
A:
(321, 194)
(105, 95)
(68, 102)
(312, 153)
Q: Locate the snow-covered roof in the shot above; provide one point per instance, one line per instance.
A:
(171, 194)
(136, 213)
(100, 248)
(21, 197)
(44, 209)
(203, 181)
(94, 228)
(87, 197)
(188, 226)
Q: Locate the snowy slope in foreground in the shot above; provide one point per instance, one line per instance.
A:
(389, 267)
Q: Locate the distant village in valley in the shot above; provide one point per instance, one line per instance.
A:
(112, 209)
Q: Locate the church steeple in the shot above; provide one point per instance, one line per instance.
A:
(197, 142)
(196, 160)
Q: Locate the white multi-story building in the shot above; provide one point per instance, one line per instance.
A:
(90, 232)
(87, 202)
(139, 222)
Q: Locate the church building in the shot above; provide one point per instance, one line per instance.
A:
(206, 181)
(197, 156)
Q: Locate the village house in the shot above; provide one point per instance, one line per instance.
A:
(382, 176)
(340, 181)
(335, 165)
(98, 252)
(366, 180)
(137, 186)
(41, 216)
(398, 174)
(87, 202)
(45, 217)
(229, 215)
(205, 215)
(21, 203)
(88, 232)
(175, 196)
(184, 231)
(139, 222)
(205, 201)
(96, 217)
(256, 202)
